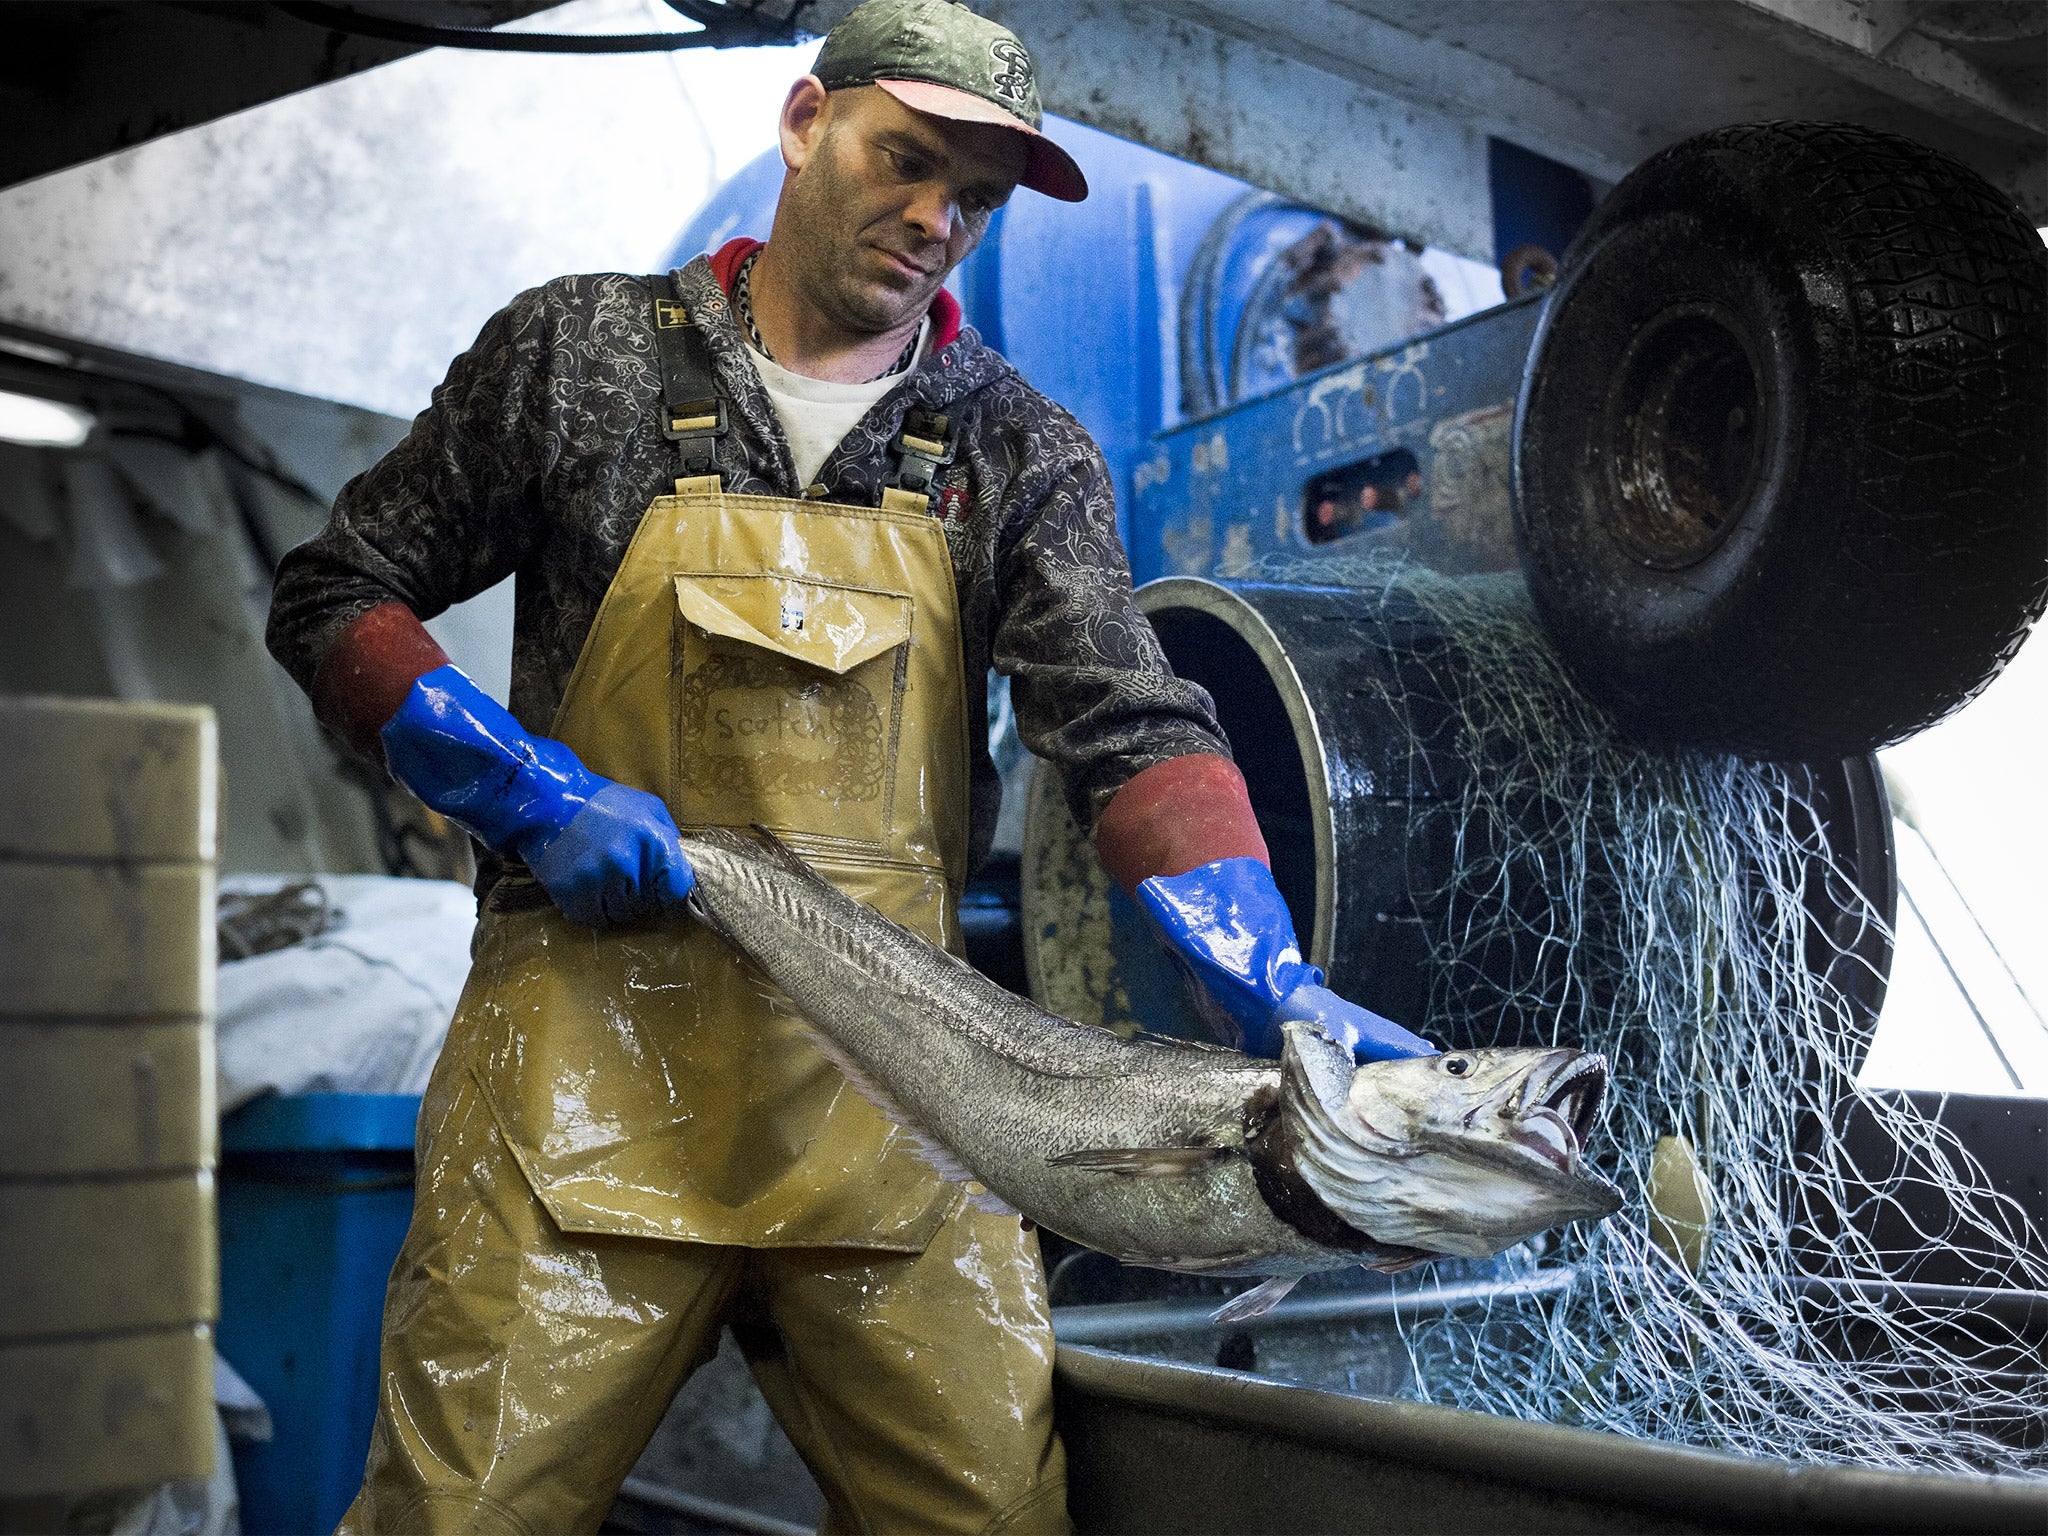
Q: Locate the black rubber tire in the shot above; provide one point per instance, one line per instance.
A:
(1781, 452)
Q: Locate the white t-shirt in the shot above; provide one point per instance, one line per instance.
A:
(817, 414)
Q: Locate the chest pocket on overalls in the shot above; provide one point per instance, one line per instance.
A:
(788, 704)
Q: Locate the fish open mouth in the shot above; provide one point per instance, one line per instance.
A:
(1562, 1113)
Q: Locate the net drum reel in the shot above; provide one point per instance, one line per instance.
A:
(1469, 846)
(1805, 1268)
(1344, 706)
(1454, 864)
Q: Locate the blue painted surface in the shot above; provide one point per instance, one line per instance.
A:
(315, 1195)
(1218, 495)
(1239, 249)
(1536, 200)
(744, 204)
(323, 1122)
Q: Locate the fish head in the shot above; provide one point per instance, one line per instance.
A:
(1540, 1107)
(1466, 1153)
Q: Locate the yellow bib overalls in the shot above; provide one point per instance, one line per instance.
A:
(626, 1146)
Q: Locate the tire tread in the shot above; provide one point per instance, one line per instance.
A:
(1931, 582)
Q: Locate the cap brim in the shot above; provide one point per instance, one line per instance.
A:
(1047, 167)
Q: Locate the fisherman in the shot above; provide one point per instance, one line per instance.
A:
(773, 517)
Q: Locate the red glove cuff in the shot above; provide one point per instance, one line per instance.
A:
(369, 670)
(1174, 817)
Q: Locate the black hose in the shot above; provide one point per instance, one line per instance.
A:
(726, 25)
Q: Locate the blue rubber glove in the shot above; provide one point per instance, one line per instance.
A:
(606, 853)
(1231, 932)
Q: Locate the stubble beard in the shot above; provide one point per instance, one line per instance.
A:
(828, 242)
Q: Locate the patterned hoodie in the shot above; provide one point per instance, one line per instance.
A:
(542, 448)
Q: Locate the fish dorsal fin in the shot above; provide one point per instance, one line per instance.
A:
(1256, 1302)
(781, 853)
(1141, 1162)
(1330, 1149)
(724, 838)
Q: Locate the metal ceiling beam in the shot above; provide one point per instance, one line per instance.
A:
(1875, 42)
(1142, 72)
(1379, 109)
(1375, 109)
(1428, 58)
(1602, 84)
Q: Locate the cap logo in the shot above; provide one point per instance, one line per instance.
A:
(1012, 79)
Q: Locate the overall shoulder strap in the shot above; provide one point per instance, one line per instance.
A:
(693, 411)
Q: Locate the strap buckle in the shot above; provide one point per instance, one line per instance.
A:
(695, 426)
(693, 418)
(692, 409)
(923, 446)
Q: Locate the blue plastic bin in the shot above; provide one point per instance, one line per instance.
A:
(315, 1194)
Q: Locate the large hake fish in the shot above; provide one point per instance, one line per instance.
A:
(1177, 1156)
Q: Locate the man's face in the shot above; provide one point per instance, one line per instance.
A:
(883, 202)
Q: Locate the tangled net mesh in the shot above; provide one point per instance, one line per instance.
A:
(1653, 906)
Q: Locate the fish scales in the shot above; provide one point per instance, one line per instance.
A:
(1000, 1084)
(1171, 1155)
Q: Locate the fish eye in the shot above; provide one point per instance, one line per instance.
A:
(1457, 1066)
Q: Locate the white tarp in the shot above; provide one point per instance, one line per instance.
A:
(360, 1008)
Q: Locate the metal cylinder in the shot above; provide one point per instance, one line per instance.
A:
(1341, 707)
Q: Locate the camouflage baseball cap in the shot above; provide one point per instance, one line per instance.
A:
(938, 57)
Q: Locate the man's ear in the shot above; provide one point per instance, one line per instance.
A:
(804, 112)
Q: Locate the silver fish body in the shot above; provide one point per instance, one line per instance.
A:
(1160, 1153)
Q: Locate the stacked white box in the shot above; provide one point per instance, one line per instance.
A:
(107, 1119)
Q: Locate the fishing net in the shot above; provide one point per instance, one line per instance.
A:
(1804, 1268)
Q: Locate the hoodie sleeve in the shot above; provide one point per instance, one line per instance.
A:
(1092, 688)
(449, 512)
